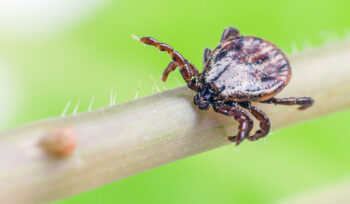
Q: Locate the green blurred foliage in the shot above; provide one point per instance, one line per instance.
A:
(98, 53)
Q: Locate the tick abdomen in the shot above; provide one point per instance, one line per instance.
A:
(247, 68)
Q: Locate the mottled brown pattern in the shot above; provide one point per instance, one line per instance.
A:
(247, 68)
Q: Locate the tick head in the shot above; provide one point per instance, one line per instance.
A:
(202, 99)
(201, 102)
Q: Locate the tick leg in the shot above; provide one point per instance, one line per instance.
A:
(241, 116)
(206, 55)
(228, 33)
(171, 67)
(259, 115)
(264, 123)
(304, 102)
(187, 70)
(248, 121)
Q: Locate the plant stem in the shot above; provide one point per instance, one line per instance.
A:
(126, 139)
(332, 193)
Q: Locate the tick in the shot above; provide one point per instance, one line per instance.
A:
(239, 70)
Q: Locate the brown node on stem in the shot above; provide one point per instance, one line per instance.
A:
(59, 142)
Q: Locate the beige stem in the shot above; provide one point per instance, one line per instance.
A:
(125, 139)
(332, 193)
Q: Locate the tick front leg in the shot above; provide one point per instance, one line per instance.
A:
(228, 33)
(304, 102)
(171, 67)
(187, 70)
(206, 55)
(242, 117)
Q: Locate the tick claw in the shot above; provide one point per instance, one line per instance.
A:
(235, 139)
(232, 138)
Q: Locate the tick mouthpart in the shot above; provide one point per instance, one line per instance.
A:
(201, 103)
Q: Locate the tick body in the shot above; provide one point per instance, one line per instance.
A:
(239, 70)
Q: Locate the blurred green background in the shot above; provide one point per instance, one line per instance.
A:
(85, 50)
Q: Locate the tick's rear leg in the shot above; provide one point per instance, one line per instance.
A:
(264, 124)
(206, 55)
(304, 102)
(260, 116)
(187, 70)
(241, 116)
(228, 33)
